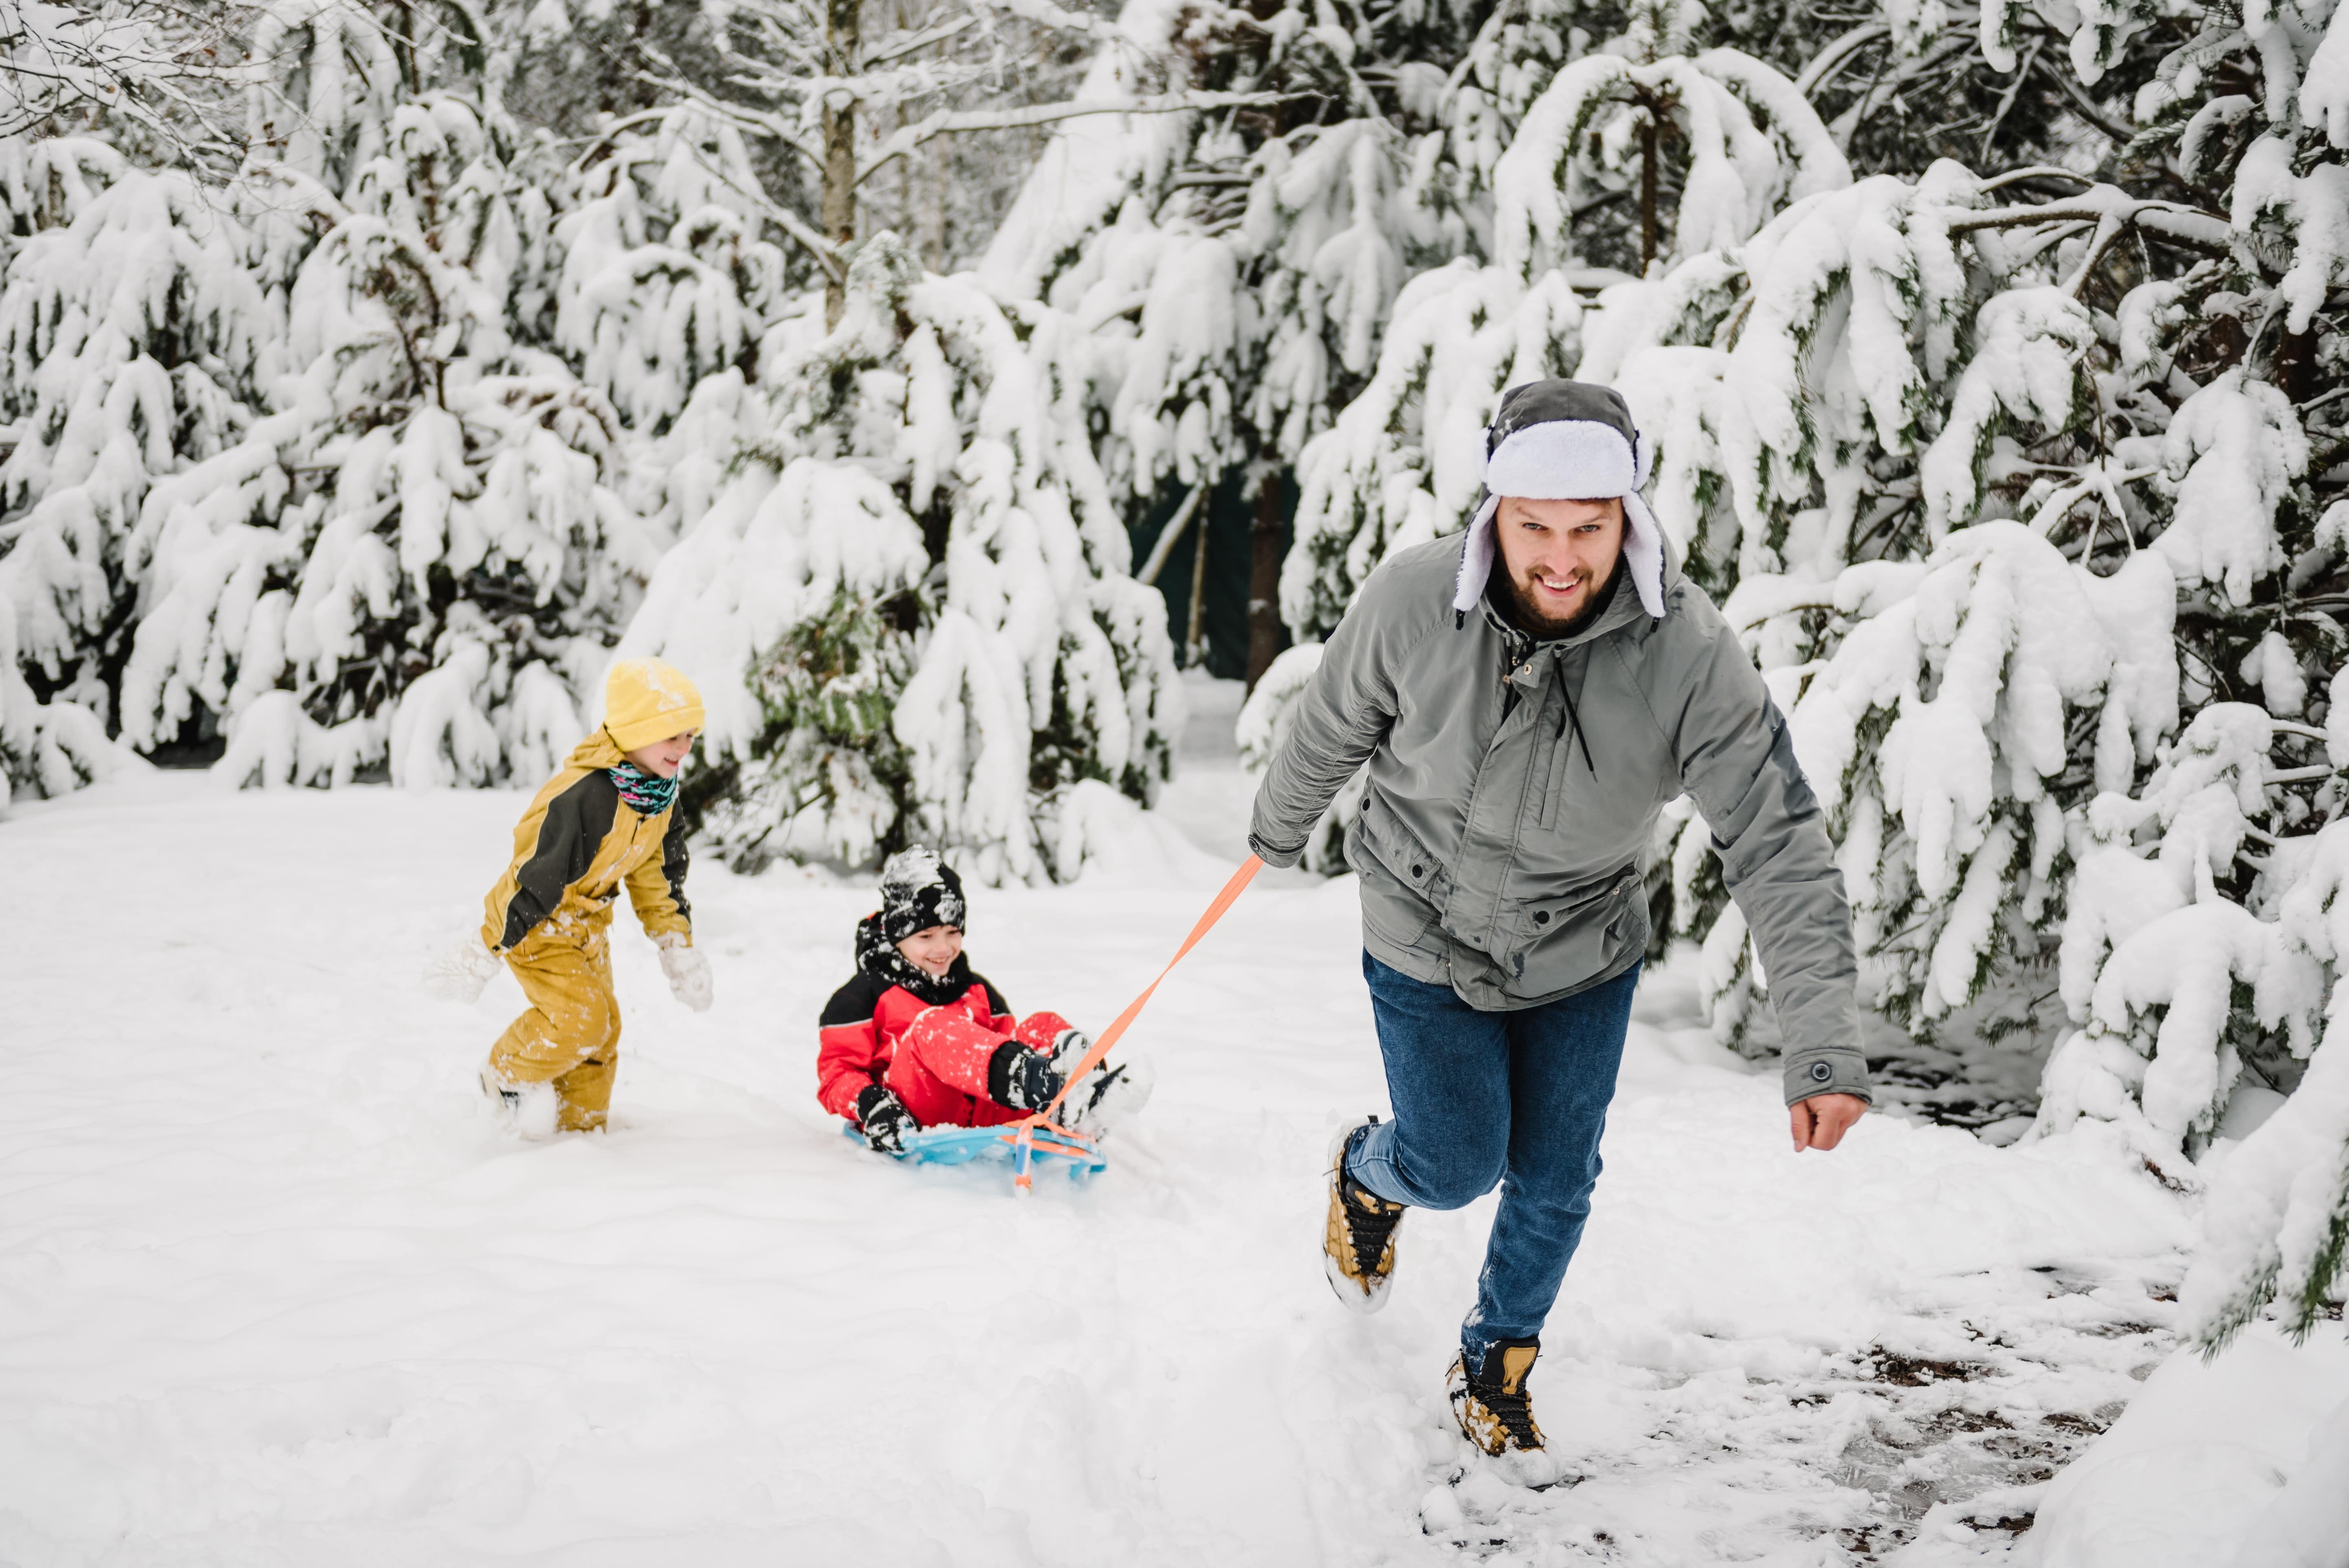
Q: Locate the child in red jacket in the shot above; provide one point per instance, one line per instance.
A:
(918, 1040)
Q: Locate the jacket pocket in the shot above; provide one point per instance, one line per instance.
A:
(1399, 880)
(1383, 837)
(1393, 913)
(1579, 935)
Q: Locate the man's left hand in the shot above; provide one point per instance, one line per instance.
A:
(1821, 1121)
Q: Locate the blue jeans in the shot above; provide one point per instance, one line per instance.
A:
(1513, 1099)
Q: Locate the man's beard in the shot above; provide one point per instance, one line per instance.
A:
(1525, 607)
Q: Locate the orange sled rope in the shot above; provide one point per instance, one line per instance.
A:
(1109, 1037)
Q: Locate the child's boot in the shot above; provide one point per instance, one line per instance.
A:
(528, 1110)
(1108, 1096)
(1068, 1048)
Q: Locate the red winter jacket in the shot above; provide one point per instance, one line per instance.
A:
(863, 1022)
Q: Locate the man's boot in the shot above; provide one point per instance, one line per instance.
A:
(1490, 1402)
(1358, 1241)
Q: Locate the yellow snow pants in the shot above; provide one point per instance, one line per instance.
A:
(570, 1037)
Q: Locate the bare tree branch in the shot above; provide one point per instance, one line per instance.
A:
(153, 64)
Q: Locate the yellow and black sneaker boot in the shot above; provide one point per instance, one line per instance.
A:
(1491, 1404)
(1358, 1243)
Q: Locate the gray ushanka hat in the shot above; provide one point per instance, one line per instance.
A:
(1565, 441)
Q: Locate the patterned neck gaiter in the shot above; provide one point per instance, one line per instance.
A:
(647, 794)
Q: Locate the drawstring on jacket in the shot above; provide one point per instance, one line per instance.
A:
(1574, 720)
(1562, 750)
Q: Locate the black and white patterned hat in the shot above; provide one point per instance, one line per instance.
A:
(919, 890)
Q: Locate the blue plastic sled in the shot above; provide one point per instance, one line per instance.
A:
(958, 1146)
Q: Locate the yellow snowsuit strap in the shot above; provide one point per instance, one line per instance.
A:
(656, 886)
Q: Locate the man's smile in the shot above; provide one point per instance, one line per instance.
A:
(1558, 587)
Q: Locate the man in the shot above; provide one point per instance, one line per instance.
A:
(1528, 696)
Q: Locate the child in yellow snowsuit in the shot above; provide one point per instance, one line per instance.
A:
(607, 818)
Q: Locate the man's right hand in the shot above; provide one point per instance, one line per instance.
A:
(884, 1119)
(1821, 1121)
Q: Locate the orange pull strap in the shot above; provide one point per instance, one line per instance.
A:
(1109, 1037)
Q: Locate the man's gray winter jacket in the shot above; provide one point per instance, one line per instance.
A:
(1503, 829)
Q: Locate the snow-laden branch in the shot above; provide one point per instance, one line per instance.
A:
(955, 121)
(2180, 225)
(1831, 59)
(1171, 532)
(151, 63)
(757, 121)
(2036, 171)
(1487, 37)
(903, 44)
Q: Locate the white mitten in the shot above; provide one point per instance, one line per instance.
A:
(688, 971)
(459, 974)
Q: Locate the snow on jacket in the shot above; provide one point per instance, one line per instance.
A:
(861, 1025)
(1514, 787)
(573, 848)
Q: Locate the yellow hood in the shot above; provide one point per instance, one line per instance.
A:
(597, 750)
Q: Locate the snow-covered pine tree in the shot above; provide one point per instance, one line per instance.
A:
(937, 628)
(416, 555)
(918, 571)
(133, 340)
(128, 341)
(664, 279)
(1239, 266)
(815, 81)
(2228, 377)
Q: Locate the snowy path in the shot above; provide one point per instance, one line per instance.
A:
(274, 1290)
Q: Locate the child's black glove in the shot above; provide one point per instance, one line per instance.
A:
(884, 1119)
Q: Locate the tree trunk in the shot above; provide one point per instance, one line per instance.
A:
(1267, 635)
(404, 46)
(842, 22)
(1651, 133)
(1195, 649)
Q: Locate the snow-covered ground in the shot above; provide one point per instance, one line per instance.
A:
(274, 1287)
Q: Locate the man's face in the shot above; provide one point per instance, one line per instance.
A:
(1557, 555)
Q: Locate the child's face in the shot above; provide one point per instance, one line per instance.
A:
(934, 950)
(663, 758)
